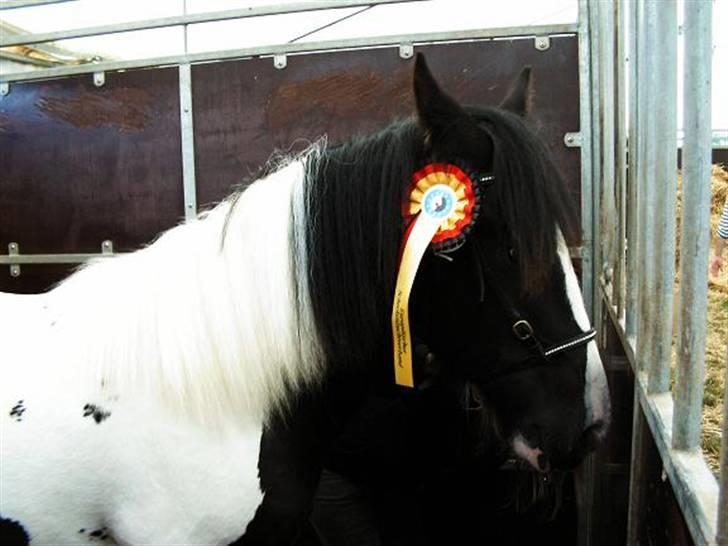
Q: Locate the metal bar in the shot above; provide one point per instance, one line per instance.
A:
(695, 487)
(36, 259)
(722, 534)
(14, 4)
(584, 477)
(191, 19)
(188, 141)
(606, 204)
(694, 226)
(635, 277)
(585, 129)
(299, 48)
(633, 179)
(649, 96)
(665, 195)
(637, 472)
(621, 159)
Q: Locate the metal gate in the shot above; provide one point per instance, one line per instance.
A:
(634, 70)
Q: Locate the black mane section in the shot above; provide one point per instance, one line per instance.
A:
(354, 195)
(530, 193)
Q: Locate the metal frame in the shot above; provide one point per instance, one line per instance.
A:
(299, 48)
(644, 322)
(404, 43)
(15, 4)
(188, 141)
(14, 259)
(192, 19)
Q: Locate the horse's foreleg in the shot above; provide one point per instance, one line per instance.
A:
(290, 467)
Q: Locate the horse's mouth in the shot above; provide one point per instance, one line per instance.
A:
(532, 455)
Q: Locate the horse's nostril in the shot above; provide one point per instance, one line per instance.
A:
(544, 464)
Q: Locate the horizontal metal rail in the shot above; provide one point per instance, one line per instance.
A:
(190, 19)
(14, 4)
(47, 259)
(299, 48)
(694, 485)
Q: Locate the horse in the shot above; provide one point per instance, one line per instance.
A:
(190, 392)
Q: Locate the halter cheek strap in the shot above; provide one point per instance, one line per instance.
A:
(522, 328)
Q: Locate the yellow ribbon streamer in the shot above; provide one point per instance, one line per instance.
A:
(422, 233)
(439, 203)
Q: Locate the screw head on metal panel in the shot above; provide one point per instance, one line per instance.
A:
(542, 43)
(406, 51)
(572, 140)
(99, 79)
(15, 270)
(4, 89)
(280, 61)
(13, 248)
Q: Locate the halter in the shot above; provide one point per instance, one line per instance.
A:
(523, 330)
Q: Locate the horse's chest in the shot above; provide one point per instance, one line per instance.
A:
(80, 469)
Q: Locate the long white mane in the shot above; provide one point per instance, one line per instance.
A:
(211, 328)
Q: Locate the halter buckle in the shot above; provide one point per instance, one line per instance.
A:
(523, 330)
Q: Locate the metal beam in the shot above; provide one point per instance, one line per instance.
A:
(14, 4)
(632, 180)
(299, 48)
(188, 141)
(191, 19)
(585, 123)
(664, 88)
(694, 226)
(649, 95)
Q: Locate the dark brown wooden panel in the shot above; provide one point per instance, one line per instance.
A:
(80, 164)
(245, 109)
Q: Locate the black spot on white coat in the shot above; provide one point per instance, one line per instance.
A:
(98, 413)
(18, 410)
(12, 533)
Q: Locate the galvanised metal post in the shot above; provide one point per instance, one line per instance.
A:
(664, 84)
(621, 158)
(695, 225)
(633, 179)
(606, 108)
(649, 94)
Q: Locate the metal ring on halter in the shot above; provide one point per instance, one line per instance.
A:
(523, 330)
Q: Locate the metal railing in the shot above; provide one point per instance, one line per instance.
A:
(634, 129)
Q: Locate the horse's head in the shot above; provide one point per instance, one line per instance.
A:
(504, 308)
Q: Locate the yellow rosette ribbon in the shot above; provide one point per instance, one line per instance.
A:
(441, 205)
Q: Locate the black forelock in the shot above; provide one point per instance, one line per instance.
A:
(354, 194)
(530, 193)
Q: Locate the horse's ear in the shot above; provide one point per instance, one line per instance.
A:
(518, 99)
(436, 110)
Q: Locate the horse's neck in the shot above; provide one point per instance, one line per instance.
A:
(214, 325)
